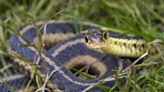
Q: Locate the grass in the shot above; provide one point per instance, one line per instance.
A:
(143, 18)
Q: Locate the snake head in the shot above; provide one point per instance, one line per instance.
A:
(95, 38)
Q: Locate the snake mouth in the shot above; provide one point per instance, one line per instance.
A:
(86, 67)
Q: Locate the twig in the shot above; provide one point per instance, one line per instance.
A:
(48, 76)
(6, 67)
(111, 78)
(141, 57)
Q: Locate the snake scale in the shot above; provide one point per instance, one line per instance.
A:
(54, 48)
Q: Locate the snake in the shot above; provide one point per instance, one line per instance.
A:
(56, 48)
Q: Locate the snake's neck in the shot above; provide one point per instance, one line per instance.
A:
(125, 47)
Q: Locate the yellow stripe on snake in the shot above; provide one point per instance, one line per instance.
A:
(53, 53)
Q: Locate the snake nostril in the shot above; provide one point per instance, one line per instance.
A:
(85, 71)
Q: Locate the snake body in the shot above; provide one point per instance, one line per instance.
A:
(66, 53)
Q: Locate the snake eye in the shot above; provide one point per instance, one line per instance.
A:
(105, 35)
(86, 38)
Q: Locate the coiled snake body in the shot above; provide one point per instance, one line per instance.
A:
(63, 50)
